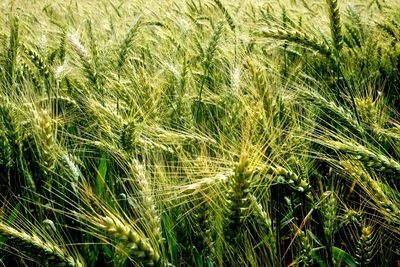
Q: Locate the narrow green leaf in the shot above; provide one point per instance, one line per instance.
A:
(318, 260)
(342, 256)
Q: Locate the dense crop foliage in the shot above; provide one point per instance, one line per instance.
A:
(199, 133)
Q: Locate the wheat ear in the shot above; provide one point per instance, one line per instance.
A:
(335, 25)
(34, 246)
(130, 239)
(299, 38)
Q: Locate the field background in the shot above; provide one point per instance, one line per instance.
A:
(200, 133)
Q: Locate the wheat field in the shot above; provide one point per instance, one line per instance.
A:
(200, 133)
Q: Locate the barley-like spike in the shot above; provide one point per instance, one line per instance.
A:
(299, 38)
(199, 46)
(38, 61)
(71, 166)
(290, 178)
(94, 66)
(237, 199)
(61, 47)
(77, 45)
(128, 137)
(330, 107)
(388, 29)
(228, 17)
(33, 246)
(14, 136)
(329, 213)
(93, 44)
(12, 53)
(7, 154)
(44, 123)
(130, 239)
(212, 45)
(372, 160)
(204, 218)
(88, 66)
(306, 256)
(183, 76)
(28, 179)
(72, 171)
(260, 214)
(209, 56)
(335, 24)
(352, 37)
(145, 190)
(205, 182)
(381, 198)
(27, 70)
(364, 249)
(127, 43)
(90, 73)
